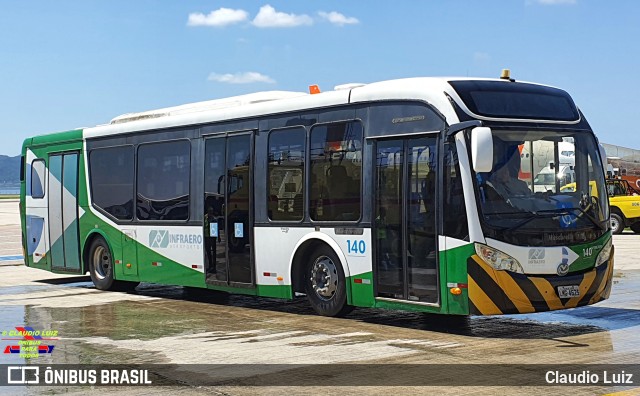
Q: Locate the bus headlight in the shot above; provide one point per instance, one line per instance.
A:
(605, 253)
(497, 259)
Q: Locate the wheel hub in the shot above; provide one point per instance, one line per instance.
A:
(101, 262)
(614, 224)
(324, 277)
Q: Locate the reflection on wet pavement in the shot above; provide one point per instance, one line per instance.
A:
(167, 324)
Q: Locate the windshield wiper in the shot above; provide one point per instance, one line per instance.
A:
(552, 213)
(534, 215)
(584, 213)
(519, 212)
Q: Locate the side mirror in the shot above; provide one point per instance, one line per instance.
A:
(482, 149)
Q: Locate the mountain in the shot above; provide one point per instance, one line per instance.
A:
(9, 169)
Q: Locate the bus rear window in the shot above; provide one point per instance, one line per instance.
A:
(498, 99)
(22, 168)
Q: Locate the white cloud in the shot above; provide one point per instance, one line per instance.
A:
(241, 78)
(338, 19)
(481, 57)
(268, 17)
(220, 17)
(553, 2)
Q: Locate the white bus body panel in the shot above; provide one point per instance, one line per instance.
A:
(275, 248)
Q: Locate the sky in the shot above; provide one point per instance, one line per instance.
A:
(66, 64)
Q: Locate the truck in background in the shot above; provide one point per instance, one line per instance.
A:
(624, 201)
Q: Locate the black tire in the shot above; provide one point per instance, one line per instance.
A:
(635, 227)
(100, 264)
(326, 293)
(617, 223)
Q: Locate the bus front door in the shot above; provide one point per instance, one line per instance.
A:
(227, 211)
(406, 255)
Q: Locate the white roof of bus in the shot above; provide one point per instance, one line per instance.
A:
(429, 89)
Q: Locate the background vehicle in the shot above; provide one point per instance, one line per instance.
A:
(623, 163)
(374, 195)
(625, 206)
(548, 177)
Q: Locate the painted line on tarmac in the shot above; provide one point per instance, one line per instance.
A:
(11, 258)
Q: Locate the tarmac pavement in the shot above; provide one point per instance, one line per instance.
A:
(163, 324)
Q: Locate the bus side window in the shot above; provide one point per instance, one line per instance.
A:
(111, 177)
(163, 180)
(286, 174)
(336, 171)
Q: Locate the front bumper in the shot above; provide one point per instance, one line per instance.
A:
(493, 292)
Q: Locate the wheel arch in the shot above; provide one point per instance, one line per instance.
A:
(303, 248)
(616, 210)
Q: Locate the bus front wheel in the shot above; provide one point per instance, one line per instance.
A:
(326, 284)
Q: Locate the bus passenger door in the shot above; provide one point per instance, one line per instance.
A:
(63, 212)
(227, 210)
(36, 210)
(406, 253)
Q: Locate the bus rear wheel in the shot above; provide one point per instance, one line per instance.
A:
(101, 268)
(635, 227)
(325, 283)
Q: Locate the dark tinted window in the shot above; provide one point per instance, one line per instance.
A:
(500, 99)
(336, 171)
(163, 181)
(455, 212)
(22, 168)
(37, 178)
(111, 177)
(286, 174)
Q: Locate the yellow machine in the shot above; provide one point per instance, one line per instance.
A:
(625, 206)
(624, 202)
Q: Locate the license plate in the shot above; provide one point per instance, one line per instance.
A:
(568, 291)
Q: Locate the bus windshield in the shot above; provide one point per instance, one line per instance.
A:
(545, 188)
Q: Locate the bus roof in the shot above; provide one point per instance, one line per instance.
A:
(217, 104)
(433, 90)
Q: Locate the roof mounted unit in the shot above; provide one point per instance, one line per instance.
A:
(342, 87)
(216, 104)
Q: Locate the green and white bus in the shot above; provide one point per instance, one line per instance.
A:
(412, 194)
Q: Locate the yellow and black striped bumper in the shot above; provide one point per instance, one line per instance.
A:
(493, 292)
